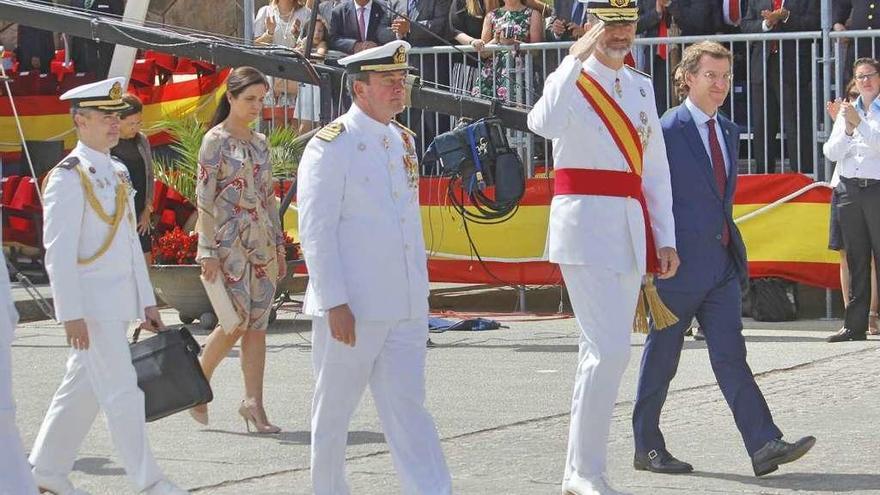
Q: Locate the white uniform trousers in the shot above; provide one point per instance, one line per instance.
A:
(101, 376)
(390, 356)
(604, 303)
(15, 474)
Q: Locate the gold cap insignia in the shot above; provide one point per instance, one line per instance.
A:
(115, 91)
(619, 3)
(400, 55)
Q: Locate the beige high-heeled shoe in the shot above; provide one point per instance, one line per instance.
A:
(251, 414)
(201, 417)
(872, 323)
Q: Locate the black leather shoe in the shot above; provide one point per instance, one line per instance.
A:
(845, 334)
(775, 452)
(660, 461)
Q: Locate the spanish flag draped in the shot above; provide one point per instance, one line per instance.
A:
(46, 118)
(784, 239)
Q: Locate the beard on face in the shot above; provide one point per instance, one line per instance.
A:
(615, 53)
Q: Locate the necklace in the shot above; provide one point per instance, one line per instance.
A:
(284, 24)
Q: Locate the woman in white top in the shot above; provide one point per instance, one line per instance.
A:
(855, 145)
(280, 23)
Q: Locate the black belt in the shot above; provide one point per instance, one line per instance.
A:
(859, 182)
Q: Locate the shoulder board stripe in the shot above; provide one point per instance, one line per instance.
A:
(330, 131)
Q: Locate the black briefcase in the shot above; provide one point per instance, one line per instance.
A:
(169, 373)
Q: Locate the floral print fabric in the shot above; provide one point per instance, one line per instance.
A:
(238, 220)
(496, 79)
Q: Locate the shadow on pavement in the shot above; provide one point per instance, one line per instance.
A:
(811, 482)
(97, 466)
(304, 437)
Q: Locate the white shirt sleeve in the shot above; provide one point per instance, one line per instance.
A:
(64, 205)
(320, 190)
(552, 113)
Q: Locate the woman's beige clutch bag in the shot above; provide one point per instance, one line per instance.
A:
(223, 308)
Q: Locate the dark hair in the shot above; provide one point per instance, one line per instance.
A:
(134, 103)
(867, 61)
(239, 80)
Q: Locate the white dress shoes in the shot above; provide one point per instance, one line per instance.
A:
(165, 487)
(589, 486)
(56, 485)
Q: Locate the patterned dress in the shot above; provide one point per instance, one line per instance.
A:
(238, 220)
(495, 79)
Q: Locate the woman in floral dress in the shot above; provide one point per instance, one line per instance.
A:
(240, 236)
(512, 24)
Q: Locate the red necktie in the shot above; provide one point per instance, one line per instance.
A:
(720, 172)
(734, 11)
(362, 24)
(774, 45)
(662, 32)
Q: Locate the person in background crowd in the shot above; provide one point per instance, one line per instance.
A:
(701, 145)
(308, 103)
(655, 20)
(855, 145)
(434, 29)
(100, 285)
(240, 237)
(857, 15)
(790, 101)
(15, 474)
(35, 49)
(599, 234)
(835, 237)
(369, 305)
(356, 25)
(280, 23)
(466, 20)
(510, 25)
(567, 22)
(87, 54)
(134, 152)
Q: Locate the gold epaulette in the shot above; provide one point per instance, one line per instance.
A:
(647, 76)
(330, 131)
(405, 128)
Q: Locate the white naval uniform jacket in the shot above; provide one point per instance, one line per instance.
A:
(359, 223)
(116, 286)
(599, 230)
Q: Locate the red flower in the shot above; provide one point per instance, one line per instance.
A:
(175, 247)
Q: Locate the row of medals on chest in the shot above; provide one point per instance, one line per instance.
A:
(410, 159)
(644, 130)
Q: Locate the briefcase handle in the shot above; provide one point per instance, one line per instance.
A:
(192, 346)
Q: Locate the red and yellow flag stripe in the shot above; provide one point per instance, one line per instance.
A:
(618, 124)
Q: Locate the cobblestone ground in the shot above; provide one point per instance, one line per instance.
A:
(500, 400)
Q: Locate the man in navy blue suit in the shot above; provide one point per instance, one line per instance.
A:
(701, 145)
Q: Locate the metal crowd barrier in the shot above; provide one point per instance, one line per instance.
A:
(778, 106)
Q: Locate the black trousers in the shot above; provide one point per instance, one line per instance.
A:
(796, 115)
(859, 210)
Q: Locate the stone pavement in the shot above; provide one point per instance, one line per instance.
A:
(501, 400)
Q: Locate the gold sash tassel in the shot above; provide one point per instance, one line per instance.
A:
(660, 315)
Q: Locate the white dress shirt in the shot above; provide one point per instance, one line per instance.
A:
(857, 156)
(357, 13)
(701, 120)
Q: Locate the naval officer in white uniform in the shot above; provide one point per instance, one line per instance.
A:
(15, 474)
(100, 286)
(597, 230)
(361, 236)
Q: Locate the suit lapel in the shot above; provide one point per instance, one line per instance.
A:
(375, 17)
(692, 136)
(731, 138)
(351, 19)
